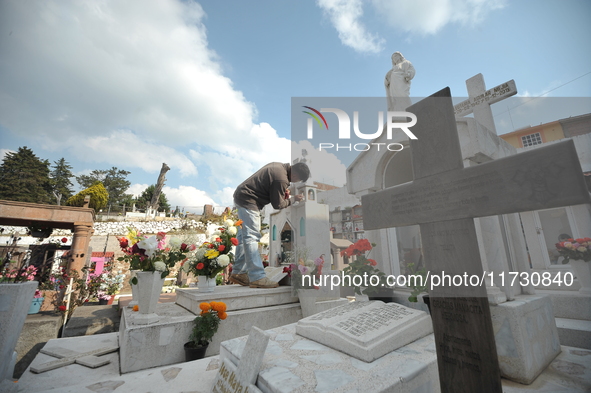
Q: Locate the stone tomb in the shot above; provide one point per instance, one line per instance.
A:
(293, 363)
(366, 330)
(444, 198)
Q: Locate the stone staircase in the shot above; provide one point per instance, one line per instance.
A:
(572, 312)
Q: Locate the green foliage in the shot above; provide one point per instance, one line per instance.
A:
(24, 177)
(144, 200)
(114, 181)
(98, 197)
(60, 183)
(418, 284)
(205, 326)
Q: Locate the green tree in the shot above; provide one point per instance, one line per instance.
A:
(60, 176)
(24, 177)
(146, 197)
(98, 197)
(114, 180)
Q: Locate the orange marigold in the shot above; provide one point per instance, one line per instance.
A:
(222, 315)
(205, 306)
(136, 308)
(218, 306)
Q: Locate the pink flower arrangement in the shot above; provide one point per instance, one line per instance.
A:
(25, 273)
(575, 249)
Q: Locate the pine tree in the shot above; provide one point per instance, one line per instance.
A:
(24, 177)
(61, 186)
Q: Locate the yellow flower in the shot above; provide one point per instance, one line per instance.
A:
(133, 235)
(210, 254)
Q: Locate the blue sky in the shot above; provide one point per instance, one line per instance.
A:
(206, 86)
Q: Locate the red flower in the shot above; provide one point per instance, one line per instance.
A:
(210, 245)
(62, 308)
(218, 239)
(221, 248)
(184, 247)
(123, 242)
(234, 241)
(64, 239)
(200, 266)
(160, 235)
(372, 262)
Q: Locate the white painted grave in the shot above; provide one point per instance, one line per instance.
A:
(66, 357)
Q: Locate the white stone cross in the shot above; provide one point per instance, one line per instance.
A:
(66, 357)
(480, 100)
(241, 379)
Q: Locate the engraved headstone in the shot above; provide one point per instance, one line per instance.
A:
(242, 378)
(66, 357)
(444, 198)
(366, 330)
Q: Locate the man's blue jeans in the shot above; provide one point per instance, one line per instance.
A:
(247, 258)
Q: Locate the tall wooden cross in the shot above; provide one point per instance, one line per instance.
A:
(443, 199)
(479, 100)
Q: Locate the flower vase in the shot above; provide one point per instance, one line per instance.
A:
(15, 301)
(307, 299)
(134, 293)
(205, 284)
(149, 288)
(36, 305)
(582, 271)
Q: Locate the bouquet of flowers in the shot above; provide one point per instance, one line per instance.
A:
(363, 269)
(214, 255)
(303, 273)
(150, 254)
(575, 249)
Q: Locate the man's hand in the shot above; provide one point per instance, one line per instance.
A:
(299, 197)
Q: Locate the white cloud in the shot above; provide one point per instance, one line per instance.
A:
(325, 167)
(4, 152)
(345, 16)
(131, 84)
(187, 197)
(429, 16)
(136, 189)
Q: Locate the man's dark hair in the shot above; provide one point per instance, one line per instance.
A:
(302, 170)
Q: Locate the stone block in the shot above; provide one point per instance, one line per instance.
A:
(574, 332)
(526, 337)
(158, 344)
(236, 297)
(569, 304)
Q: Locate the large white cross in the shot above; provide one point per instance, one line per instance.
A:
(480, 100)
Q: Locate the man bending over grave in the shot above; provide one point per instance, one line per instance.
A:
(268, 185)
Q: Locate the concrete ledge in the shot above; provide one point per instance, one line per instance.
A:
(574, 332)
(569, 304)
(236, 297)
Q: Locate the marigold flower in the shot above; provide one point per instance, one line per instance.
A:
(136, 308)
(222, 315)
(238, 223)
(205, 306)
(218, 306)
